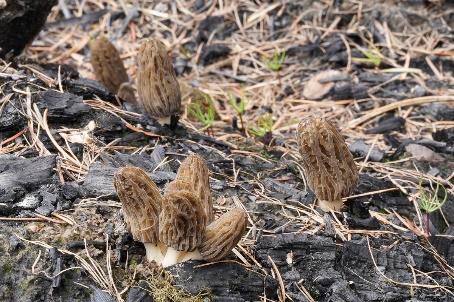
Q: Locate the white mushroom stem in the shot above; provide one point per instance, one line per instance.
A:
(194, 255)
(153, 252)
(164, 120)
(173, 257)
(330, 205)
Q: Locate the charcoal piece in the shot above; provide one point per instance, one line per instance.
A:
(89, 89)
(342, 291)
(439, 111)
(314, 257)
(208, 25)
(20, 22)
(62, 107)
(213, 53)
(225, 281)
(444, 244)
(19, 175)
(444, 135)
(360, 148)
(287, 191)
(99, 295)
(370, 223)
(387, 125)
(304, 51)
(138, 293)
(393, 261)
(11, 119)
(56, 281)
(99, 180)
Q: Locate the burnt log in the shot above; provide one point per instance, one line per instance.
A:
(20, 22)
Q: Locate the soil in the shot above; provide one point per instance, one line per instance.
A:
(63, 135)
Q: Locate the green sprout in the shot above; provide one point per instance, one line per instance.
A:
(204, 114)
(431, 202)
(263, 126)
(371, 57)
(275, 63)
(238, 106)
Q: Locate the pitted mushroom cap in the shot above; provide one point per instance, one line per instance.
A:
(141, 202)
(157, 85)
(107, 64)
(223, 234)
(126, 92)
(327, 162)
(194, 171)
(182, 221)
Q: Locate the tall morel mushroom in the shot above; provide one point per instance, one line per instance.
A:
(194, 173)
(327, 162)
(157, 85)
(107, 64)
(141, 201)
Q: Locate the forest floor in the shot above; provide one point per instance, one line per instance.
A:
(381, 71)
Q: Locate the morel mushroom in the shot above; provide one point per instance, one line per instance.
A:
(328, 164)
(157, 85)
(194, 173)
(223, 234)
(182, 223)
(107, 64)
(141, 201)
(126, 92)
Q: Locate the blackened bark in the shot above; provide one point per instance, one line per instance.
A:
(20, 22)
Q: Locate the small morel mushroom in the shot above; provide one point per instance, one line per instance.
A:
(126, 92)
(182, 223)
(141, 201)
(157, 85)
(328, 164)
(194, 173)
(107, 64)
(223, 234)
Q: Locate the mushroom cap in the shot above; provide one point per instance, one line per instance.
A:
(194, 171)
(157, 85)
(327, 162)
(126, 92)
(107, 64)
(182, 221)
(223, 234)
(141, 201)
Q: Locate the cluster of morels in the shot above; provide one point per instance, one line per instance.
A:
(180, 225)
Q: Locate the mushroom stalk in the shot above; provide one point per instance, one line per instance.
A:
(153, 252)
(194, 255)
(171, 257)
(326, 206)
(164, 120)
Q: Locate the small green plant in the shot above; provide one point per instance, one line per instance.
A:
(239, 106)
(431, 202)
(204, 114)
(371, 57)
(264, 125)
(276, 61)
